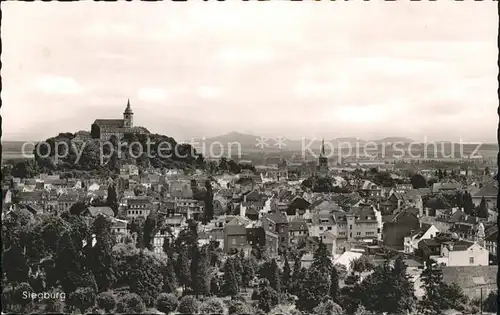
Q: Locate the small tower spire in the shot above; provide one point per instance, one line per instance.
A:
(323, 147)
(128, 109)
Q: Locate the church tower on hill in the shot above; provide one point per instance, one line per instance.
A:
(128, 116)
(323, 161)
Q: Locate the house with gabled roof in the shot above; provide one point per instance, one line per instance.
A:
(462, 253)
(425, 232)
(235, 234)
(489, 192)
(277, 223)
(298, 230)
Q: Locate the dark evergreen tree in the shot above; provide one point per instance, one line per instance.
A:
(169, 278)
(432, 302)
(112, 199)
(230, 281)
(151, 227)
(209, 202)
(482, 210)
(274, 276)
(101, 260)
(322, 259)
(182, 268)
(200, 282)
(286, 277)
(334, 285)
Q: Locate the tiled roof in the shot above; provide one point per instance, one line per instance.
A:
(298, 225)
(94, 211)
(489, 190)
(117, 123)
(277, 218)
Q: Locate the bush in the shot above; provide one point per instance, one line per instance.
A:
(212, 306)
(18, 297)
(189, 305)
(131, 303)
(239, 308)
(167, 303)
(82, 299)
(56, 305)
(106, 301)
(328, 308)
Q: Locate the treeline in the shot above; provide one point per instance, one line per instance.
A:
(460, 199)
(59, 254)
(90, 155)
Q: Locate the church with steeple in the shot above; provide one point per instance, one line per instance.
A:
(322, 161)
(103, 129)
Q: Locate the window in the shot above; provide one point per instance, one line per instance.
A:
(321, 228)
(233, 241)
(350, 227)
(358, 234)
(471, 260)
(329, 228)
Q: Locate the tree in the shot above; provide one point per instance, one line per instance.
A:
(490, 304)
(25, 169)
(130, 304)
(286, 276)
(274, 276)
(212, 305)
(199, 272)
(432, 303)
(146, 277)
(151, 227)
(82, 299)
(209, 202)
(482, 210)
(15, 265)
(189, 305)
(334, 284)
(182, 269)
(72, 273)
(167, 248)
(106, 301)
(418, 181)
(315, 289)
(112, 199)
(102, 262)
(322, 259)
(239, 308)
(248, 274)
(230, 281)
(169, 278)
(362, 264)
(167, 303)
(78, 208)
(268, 298)
(328, 307)
(136, 226)
(19, 296)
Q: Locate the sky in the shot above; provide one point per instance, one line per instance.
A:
(291, 69)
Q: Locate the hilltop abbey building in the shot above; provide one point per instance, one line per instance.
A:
(105, 128)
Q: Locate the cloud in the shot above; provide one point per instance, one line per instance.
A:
(208, 92)
(112, 56)
(235, 56)
(52, 84)
(151, 95)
